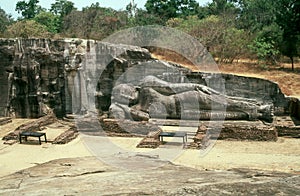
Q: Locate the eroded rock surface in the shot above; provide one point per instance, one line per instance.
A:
(59, 72)
(77, 76)
(88, 176)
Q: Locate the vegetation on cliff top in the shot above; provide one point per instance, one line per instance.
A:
(264, 30)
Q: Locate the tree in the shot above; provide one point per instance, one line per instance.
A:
(29, 9)
(5, 20)
(221, 7)
(288, 18)
(167, 9)
(256, 14)
(62, 7)
(266, 44)
(27, 29)
(264, 50)
(216, 33)
(94, 22)
(233, 45)
(259, 15)
(49, 20)
(209, 30)
(131, 9)
(143, 18)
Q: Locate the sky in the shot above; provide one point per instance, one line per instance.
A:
(9, 5)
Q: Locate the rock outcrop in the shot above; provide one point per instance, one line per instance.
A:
(74, 76)
(88, 176)
(59, 72)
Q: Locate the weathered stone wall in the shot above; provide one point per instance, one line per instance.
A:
(57, 72)
(36, 71)
(3, 86)
(6, 56)
(247, 87)
(31, 74)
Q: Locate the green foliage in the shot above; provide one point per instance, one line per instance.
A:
(5, 20)
(62, 7)
(256, 14)
(263, 18)
(140, 17)
(27, 29)
(167, 9)
(233, 46)
(143, 18)
(288, 18)
(221, 7)
(218, 34)
(230, 29)
(265, 51)
(208, 30)
(29, 9)
(131, 9)
(49, 20)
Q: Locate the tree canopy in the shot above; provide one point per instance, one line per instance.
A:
(5, 20)
(62, 7)
(28, 29)
(288, 18)
(29, 9)
(265, 30)
(167, 9)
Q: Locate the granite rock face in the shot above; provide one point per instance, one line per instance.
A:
(74, 76)
(88, 176)
(58, 72)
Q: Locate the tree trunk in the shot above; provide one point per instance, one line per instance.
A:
(292, 59)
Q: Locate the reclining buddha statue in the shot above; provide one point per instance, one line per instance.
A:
(156, 98)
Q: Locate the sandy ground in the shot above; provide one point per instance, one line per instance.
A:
(283, 155)
(21, 156)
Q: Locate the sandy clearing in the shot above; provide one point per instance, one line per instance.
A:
(21, 156)
(283, 155)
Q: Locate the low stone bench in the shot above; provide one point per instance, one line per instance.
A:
(181, 134)
(27, 134)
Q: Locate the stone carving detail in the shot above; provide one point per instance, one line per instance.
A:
(77, 102)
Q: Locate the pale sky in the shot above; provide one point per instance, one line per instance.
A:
(10, 5)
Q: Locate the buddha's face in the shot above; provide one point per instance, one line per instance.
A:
(125, 94)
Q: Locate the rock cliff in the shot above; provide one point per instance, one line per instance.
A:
(35, 71)
(76, 76)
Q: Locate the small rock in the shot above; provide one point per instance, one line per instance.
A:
(10, 142)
